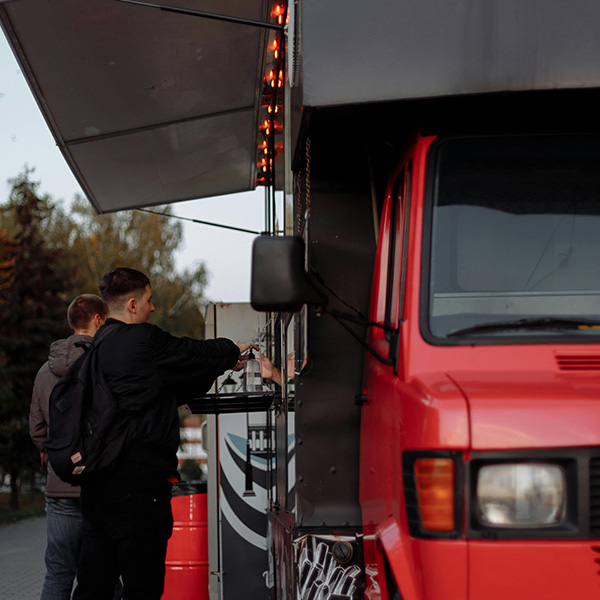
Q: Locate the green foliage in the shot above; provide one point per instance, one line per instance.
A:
(135, 239)
(17, 454)
(140, 240)
(32, 313)
(33, 302)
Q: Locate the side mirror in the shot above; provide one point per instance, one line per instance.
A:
(279, 281)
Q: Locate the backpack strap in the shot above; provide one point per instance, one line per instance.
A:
(85, 345)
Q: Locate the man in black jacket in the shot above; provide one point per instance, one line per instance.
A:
(127, 516)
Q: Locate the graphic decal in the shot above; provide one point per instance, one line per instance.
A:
(320, 576)
(373, 591)
(245, 513)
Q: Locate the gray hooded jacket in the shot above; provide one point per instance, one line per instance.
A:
(63, 353)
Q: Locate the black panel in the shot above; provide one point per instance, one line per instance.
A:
(241, 557)
(341, 248)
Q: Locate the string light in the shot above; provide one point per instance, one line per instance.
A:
(277, 13)
(270, 123)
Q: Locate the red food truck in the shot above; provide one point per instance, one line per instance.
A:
(475, 401)
(435, 300)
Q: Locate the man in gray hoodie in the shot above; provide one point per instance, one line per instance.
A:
(85, 315)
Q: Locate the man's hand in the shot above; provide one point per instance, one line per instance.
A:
(269, 370)
(244, 347)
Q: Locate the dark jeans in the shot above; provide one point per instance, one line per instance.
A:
(124, 536)
(62, 551)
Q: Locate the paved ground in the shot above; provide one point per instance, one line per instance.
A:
(22, 569)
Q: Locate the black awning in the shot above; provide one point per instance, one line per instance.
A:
(147, 106)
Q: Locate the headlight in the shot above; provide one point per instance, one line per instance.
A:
(521, 495)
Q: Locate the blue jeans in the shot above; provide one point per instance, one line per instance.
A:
(64, 546)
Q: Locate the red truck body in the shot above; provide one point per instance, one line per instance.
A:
(500, 402)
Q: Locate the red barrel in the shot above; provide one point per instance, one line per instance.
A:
(186, 575)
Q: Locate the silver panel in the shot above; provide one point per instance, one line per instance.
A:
(355, 51)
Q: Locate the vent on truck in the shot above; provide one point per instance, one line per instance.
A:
(578, 362)
(595, 496)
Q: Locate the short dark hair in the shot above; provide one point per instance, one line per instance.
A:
(121, 282)
(83, 309)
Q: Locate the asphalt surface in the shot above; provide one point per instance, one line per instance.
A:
(22, 569)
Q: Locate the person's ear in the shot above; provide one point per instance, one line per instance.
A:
(132, 305)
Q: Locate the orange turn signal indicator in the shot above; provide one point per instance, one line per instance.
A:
(435, 480)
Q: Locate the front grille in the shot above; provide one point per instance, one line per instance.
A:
(578, 362)
(595, 496)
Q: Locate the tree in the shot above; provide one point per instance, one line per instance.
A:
(32, 312)
(7, 261)
(143, 241)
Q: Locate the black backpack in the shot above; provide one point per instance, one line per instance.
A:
(87, 430)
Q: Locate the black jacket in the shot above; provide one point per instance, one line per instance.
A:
(150, 372)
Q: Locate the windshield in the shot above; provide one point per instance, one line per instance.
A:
(515, 239)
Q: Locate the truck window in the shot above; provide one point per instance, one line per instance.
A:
(513, 240)
(397, 248)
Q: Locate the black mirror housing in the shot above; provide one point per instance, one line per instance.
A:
(279, 281)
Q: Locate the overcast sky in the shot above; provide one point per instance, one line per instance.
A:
(25, 139)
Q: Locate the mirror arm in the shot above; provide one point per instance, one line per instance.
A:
(340, 317)
(337, 314)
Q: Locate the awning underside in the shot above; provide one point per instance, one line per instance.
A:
(147, 106)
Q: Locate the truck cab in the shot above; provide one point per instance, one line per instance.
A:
(480, 457)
